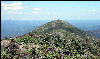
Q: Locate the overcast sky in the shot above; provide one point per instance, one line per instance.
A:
(50, 10)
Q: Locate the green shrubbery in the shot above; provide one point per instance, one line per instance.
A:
(52, 43)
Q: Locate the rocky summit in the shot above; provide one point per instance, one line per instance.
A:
(54, 40)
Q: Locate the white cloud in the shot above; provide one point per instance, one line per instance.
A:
(93, 11)
(14, 12)
(36, 8)
(48, 13)
(9, 11)
(7, 8)
(12, 6)
(35, 12)
(17, 7)
(3, 4)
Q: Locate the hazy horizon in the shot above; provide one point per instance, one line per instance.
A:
(21, 27)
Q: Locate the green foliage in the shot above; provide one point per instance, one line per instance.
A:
(51, 41)
(26, 40)
(3, 53)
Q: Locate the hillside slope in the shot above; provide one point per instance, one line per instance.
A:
(55, 39)
(59, 24)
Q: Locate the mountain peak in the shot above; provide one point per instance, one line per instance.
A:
(59, 21)
(54, 39)
(60, 25)
(53, 25)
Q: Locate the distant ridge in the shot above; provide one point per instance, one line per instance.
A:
(54, 40)
(60, 24)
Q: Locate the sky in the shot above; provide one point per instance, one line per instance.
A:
(50, 10)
